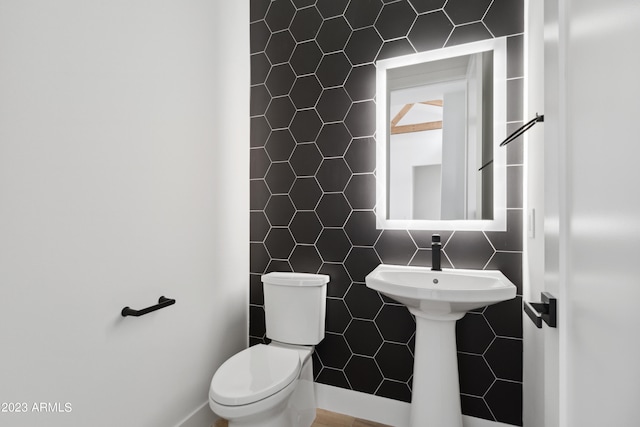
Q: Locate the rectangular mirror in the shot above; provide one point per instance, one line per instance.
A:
(440, 117)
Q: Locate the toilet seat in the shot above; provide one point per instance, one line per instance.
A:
(254, 374)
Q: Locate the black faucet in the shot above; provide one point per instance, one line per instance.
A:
(436, 247)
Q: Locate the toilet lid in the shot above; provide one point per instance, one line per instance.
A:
(253, 374)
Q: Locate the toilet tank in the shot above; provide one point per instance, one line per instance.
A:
(295, 307)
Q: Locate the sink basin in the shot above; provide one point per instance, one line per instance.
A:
(450, 291)
(437, 299)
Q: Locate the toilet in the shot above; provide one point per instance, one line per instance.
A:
(272, 385)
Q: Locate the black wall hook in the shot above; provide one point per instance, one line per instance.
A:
(162, 303)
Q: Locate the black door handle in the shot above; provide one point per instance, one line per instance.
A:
(546, 310)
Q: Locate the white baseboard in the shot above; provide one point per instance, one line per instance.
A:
(347, 402)
(376, 408)
(201, 417)
(479, 422)
(362, 405)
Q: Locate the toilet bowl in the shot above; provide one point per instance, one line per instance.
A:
(272, 385)
(264, 385)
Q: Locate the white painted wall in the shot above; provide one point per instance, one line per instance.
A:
(592, 215)
(407, 150)
(427, 193)
(123, 177)
(454, 155)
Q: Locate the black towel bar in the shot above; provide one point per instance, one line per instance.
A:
(162, 303)
(522, 129)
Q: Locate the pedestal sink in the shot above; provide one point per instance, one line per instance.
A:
(438, 299)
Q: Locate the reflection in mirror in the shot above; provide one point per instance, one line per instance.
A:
(440, 117)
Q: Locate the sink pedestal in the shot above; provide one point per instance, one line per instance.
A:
(435, 400)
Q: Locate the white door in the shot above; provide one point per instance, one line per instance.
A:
(592, 212)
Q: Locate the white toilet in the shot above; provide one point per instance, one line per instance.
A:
(272, 385)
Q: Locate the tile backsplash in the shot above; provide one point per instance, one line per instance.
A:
(313, 189)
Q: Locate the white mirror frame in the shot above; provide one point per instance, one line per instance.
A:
(499, 221)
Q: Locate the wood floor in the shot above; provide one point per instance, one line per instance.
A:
(329, 419)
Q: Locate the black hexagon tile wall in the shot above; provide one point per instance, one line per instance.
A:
(313, 189)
